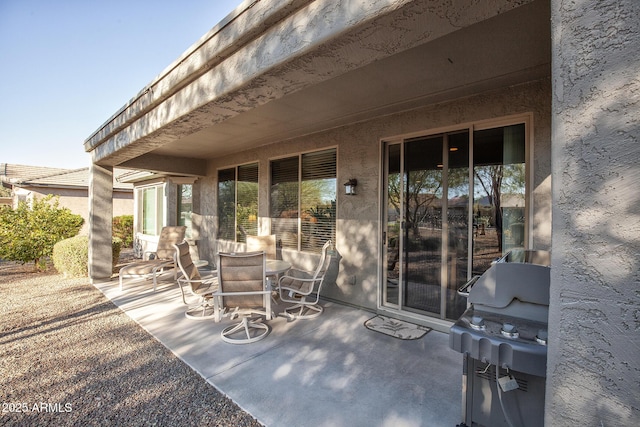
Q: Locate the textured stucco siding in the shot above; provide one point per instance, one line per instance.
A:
(358, 147)
(593, 375)
(100, 222)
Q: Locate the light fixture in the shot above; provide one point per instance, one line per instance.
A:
(350, 187)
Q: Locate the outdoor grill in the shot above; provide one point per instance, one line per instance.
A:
(503, 336)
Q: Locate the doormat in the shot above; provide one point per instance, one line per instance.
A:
(396, 328)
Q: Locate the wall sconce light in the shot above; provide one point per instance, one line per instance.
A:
(350, 187)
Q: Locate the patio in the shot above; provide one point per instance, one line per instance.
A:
(329, 371)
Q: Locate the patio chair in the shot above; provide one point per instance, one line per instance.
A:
(302, 288)
(262, 243)
(198, 285)
(242, 291)
(157, 262)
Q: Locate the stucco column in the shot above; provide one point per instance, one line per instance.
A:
(100, 222)
(593, 372)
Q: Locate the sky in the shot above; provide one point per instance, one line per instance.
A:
(66, 66)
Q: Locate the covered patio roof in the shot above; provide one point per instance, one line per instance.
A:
(272, 71)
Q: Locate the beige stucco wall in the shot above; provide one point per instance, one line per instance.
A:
(358, 232)
(593, 372)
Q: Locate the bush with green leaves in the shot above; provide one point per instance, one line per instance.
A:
(123, 229)
(71, 256)
(28, 233)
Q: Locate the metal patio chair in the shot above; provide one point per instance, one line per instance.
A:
(243, 292)
(262, 243)
(198, 285)
(302, 288)
(163, 259)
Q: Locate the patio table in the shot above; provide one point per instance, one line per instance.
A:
(275, 267)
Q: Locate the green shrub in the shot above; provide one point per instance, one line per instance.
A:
(116, 246)
(29, 232)
(71, 256)
(123, 229)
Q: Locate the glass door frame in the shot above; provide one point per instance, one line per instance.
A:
(385, 143)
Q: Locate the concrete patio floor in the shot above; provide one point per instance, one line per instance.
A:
(328, 371)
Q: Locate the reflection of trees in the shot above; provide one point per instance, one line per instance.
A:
(226, 211)
(317, 192)
(422, 190)
(247, 207)
(316, 208)
(237, 206)
(313, 193)
(284, 199)
(497, 180)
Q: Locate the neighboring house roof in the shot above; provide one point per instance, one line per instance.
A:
(13, 173)
(37, 176)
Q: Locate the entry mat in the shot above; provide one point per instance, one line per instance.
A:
(396, 328)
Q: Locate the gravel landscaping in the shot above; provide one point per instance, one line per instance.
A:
(69, 357)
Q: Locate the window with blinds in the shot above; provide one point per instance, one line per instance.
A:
(303, 200)
(238, 202)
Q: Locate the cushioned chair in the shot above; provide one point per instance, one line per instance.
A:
(242, 292)
(302, 288)
(196, 283)
(262, 243)
(164, 258)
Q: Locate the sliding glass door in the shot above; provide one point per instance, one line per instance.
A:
(437, 195)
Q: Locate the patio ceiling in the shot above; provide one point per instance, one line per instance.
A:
(507, 49)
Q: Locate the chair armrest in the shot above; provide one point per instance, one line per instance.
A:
(207, 279)
(298, 290)
(297, 273)
(219, 310)
(224, 294)
(299, 279)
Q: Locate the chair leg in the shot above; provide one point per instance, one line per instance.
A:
(304, 311)
(202, 311)
(245, 328)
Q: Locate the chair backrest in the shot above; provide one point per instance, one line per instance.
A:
(169, 236)
(242, 272)
(185, 263)
(262, 243)
(321, 269)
